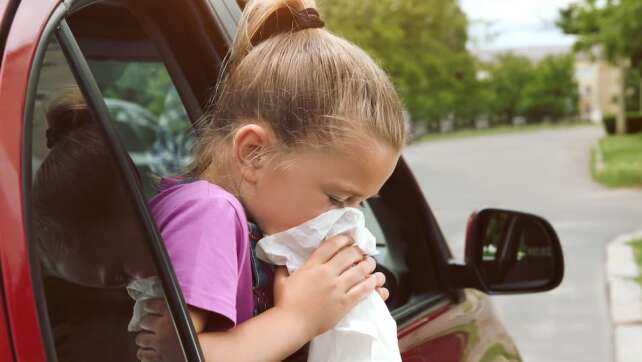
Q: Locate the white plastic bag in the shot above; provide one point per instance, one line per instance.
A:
(141, 290)
(368, 332)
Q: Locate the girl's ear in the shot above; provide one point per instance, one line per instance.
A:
(250, 147)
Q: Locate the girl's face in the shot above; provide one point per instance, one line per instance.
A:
(282, 193)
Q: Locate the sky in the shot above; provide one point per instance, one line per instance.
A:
(500, 24)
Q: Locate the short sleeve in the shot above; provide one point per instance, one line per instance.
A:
(200, 235)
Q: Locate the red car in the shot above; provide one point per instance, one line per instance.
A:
(144, 70)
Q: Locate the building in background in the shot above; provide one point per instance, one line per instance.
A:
(598, 81)
(599, 87)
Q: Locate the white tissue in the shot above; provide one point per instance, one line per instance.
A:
(368, 332)
(140, 290)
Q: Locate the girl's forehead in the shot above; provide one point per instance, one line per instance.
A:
(359, 170)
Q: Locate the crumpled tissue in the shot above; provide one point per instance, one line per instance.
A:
(141, 290)
(368, 332)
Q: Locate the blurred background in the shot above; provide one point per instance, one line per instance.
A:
(516, 104)
(533, 106)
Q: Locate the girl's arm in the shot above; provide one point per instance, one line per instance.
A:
(307, 303)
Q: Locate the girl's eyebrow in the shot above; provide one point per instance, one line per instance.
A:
(358, 195)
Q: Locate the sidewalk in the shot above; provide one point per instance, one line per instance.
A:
(625, 298)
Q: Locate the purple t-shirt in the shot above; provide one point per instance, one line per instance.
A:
(206, 236)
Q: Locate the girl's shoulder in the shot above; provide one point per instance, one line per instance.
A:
(176, 196)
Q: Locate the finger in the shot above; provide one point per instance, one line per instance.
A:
(357, 273)
(362, 289)
(144, 339)
(381, 279)
(146, 354)
(345, 259)
(329, 248)
(154, 306)
(384, 293)
(280, 274)
(151, 323)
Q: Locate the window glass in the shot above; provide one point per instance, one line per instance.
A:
(146, 109)
(373, 225)
(93, 251)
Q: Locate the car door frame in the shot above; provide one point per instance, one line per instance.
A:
(20, 52)
(25, 49)
(21, 48)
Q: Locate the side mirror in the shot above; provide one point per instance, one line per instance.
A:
(510, 252)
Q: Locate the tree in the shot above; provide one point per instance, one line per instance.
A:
(616, 27)
(422, 46)
(552, 90)
(509, 75)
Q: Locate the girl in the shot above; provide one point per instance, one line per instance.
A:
(302, 122)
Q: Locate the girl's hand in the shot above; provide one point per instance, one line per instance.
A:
(334, 279)
(158, 340)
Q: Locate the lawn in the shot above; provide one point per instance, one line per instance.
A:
(621, 164)
(499, 130)
(637, 253)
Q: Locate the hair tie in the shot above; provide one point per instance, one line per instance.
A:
(284, 20)
(65, 122)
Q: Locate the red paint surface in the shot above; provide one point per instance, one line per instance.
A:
(448, 348)
(20, 47)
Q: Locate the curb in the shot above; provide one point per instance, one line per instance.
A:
(625, 298)
(599, 158)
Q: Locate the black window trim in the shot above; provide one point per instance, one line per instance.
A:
(96, 104)
(10, 11)
(58, 27)
(188, 98)
(227, 14)
(37, 284)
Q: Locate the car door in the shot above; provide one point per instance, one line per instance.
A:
(436, 322)
(72, 268)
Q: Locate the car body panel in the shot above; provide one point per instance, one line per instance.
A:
(466, 331)
(20, 49)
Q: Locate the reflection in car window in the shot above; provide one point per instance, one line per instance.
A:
(88, 239)
(148, 114)
(145, 106)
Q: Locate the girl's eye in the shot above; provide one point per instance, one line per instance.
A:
(335, 201)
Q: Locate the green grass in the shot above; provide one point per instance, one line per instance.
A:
(498, 130)
(622, 161)
(637, 253)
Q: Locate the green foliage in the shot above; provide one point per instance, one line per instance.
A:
(616, 26)
(622, 157)
(633, 123)
(509, 75)
(633, 80)
(637, 251)
(146, 84)
(552, 90)
(422, 46)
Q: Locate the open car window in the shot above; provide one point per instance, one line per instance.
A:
(146, 109)
(88, 240)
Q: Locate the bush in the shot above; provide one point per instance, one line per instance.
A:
(633, 123)
(609, 123)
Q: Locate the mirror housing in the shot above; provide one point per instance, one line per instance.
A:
(509, 252)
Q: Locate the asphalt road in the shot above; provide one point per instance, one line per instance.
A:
(546, 173)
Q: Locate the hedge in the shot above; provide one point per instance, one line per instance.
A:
(633, 123)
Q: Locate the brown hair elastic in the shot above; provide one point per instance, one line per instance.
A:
(286, 20)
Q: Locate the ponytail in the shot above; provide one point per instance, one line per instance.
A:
(309, 86)
(264, 18)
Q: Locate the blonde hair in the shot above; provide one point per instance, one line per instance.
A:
(311, 87)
